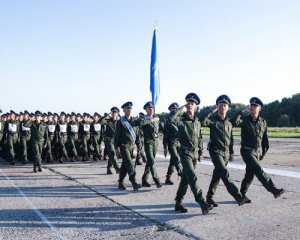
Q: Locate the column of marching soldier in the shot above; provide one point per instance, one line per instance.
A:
(51, 137)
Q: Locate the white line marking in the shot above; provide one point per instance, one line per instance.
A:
(34, 208)
(273, 171)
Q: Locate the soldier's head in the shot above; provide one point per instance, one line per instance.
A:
(173, 107)
(223, 102)
(255, 106)
(38, 116)
(96, 117)
(127, 108)
(62, 116)
(26, 115)
(78, 117)
(85, 117)
(149, 108)
(12, 115)
(114, 111)
(192, 101)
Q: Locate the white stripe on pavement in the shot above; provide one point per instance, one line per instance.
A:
(273, 171)
(34, 208)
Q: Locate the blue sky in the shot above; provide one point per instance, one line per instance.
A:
(90, 55)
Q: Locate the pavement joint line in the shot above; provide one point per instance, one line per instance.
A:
(161, 225)
(272, 171)
(34, 208)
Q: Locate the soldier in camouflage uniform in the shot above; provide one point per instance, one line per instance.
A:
(62, 134)
(25, 136)
(191, 147)
(220, 148)
(73, 134)
(2, 125)
(11, 132)
(254, 138)
(85, 135)
(96, 131)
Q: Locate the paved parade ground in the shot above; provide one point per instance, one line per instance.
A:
(80, 201)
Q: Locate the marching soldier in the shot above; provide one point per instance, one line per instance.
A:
(125, 140)
(110, 122)
(85, 134)
(220, 148)
(61, 132)
(73, 130)
(25, 136)
(141, 153)
(96, 136)
(51, 141)
(171, 144)
(39, 141)
(254, 138)
(2, 126)
(191, 147)
(12, 131)
(150, 128)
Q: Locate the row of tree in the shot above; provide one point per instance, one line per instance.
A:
(277, 114)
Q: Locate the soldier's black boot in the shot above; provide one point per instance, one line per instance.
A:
(34, 168)
(168, 180)
(205, 207)
(72, 159)
(247, 200)
(145, 183)
(117, 170)
(158, 184)
(109, 170)
(39, 168)
(136, 186)
(179, 207)
(122, 186)
(241, 200)
(277, 192)
(61, 160)
(211, 201)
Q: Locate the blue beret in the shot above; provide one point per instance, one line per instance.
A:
(114, 109)
(44, 114)
(173, 105)
(55, 114)
(62, 113)
(96, 114)
(256, 101)
(193, 97)
(78, 115)
(50, 113)
(26, 112)
(21, 113)
(12, 112)
(73, 114)
(148, 104)
(127, 105)
(223, 98)
(38, 113)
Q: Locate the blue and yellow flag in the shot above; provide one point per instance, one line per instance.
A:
(154, 73)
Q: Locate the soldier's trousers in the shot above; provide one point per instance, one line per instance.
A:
(37, 149)
(50, 145)
(253, 167)
(62, 146)
(24, 149)
(189, 178)
(73, 140)
(141, 153)
(85, 146)
(95, 142)
(112, 161)
(220, 161)
(174, 158)
(12, 143)
(150, 150)
(127, 166)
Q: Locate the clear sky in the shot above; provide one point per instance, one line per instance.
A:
(90, 55)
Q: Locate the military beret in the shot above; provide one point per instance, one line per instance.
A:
(50, 114)
(21, 113)
(127, 105)
(26, 112)
(73, 114)
(44, 115)
(31, 115)
(173, 105)
(192, 97)
(62, 113)
(17, 115)
(38, 113)
(85, 114)
(12, 112)
(114, 109)
(256, 101)
(148, 105)
(96, 114)
(55, 114)
(223, 98)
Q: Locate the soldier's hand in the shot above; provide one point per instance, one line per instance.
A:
(179, 172)
(231, 157)
(118, 154)
(200, 158)
(165, 152)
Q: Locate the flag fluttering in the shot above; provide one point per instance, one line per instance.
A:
(154, 72)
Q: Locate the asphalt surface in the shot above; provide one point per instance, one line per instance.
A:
(80, 201)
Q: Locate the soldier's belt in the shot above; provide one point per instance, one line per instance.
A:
(249, 148)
